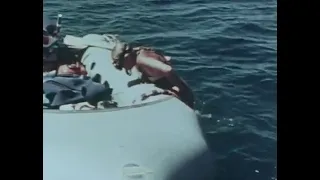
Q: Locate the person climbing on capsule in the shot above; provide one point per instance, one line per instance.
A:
(154, 67)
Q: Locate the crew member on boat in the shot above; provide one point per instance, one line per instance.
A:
(155, 68)
(57, 59)
(64, 86)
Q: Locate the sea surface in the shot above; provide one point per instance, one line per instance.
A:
(225, 50)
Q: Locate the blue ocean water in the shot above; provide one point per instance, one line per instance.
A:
(225, 50)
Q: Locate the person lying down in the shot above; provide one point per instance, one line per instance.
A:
(75, 93)
(69, 88)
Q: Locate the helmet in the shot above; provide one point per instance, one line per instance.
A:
(50, 31)
(50, 40)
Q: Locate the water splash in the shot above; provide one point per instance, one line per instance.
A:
(199, 111)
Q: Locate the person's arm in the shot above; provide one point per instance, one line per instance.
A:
(156, 68)
(153, 66)
(76, 68)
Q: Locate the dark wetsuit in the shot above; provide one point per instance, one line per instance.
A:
(57, 54)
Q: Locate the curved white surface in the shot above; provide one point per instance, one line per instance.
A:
(98, 145)
(161, 138)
